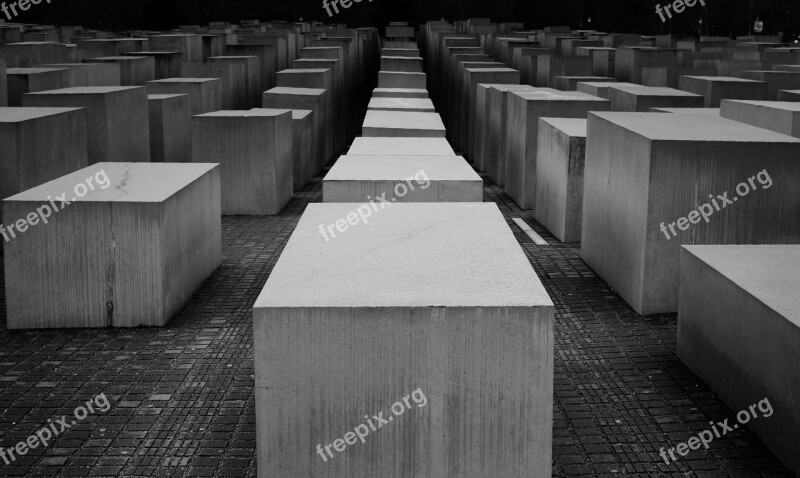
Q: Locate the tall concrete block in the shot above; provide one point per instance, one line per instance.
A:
(629, 61)
(313, 99)
(213, 45)
(205, 94)
(134, 70)
(28, 161)
(102, 47)
(501, 347)
(647, 172)
(29, 80)
(495, 151)
(570, 83)
(117, 119)
(233, 81)
(776, 80)
(716, 88)
(251, 73)
(91, 74)
(254, 149)
(166, 64)
(401, 63)
(304, 146)
(551, 66)
(130, 252)
(745, 347)
(170, 128)
(524, 110)
(190, 44)
(266, 60)
(471, 78)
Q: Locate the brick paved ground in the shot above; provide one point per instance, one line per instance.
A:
(182, 396)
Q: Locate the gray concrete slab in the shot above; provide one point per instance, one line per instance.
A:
(717, 88)
(642, 98)
(30, 80)
(170, 128)
(205, 94)
(403, 124)
(570, 83)
(134, 70)
(397, 79)
(91, 74)
(313, 99)
(776, 80)
(789, 95)
(400, 147)
(599, 89)
(779, 116)
(419, 105)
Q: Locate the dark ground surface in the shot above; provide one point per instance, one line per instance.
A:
(182, 397)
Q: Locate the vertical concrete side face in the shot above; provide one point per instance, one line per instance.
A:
(3, 84)
(128, 126)
(743, 347)
(781, 118)
(170, 129)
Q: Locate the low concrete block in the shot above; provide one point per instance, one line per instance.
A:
(140, 243)
(401, 63)
(27, 160)
(550, 66)
(495, 330)
(648, 172)
(396, 79)
(402, 179)
(642, 98)
(117, 119)
(716, 88)
(403, 124)
(170, 128)
(399, 93)
(560, 160)
(254, 149)
(779, 116)
(205, 94)
(400, 147)
(420, 105)
(29, 80)
(745, 347)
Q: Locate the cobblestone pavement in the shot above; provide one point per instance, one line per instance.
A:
(182, 401)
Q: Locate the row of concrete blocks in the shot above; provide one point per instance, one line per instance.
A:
(441, 219)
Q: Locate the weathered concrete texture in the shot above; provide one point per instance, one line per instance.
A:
(170, 128)
(117, 119)
(191, 45)
(776, 80)
(789, 95)
(29, 80)
(400, 147)
(399, 93)
(402, 179)
(420, 105)
(252, 73)
(717, 88)
(599, 89)
(642, 98)
(254, 149)
(570, 83)
(396, 79)
(524, 110)
(559, 176)
(401, 63)
(313, 99)
(91, 74)
(130, 252)
(746, 346)
(494, 153)
(232, 75)
(304, 144)
(134, 70)
(28, 160)
(402, 124)
(779, 116)
(494, 330)
(205, 94)
(166, 64)
(646, 171)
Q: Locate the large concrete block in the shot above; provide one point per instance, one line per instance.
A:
(646, 172)
(213, 45)
(170, 128)
(30, 80)
(642, 98)
(402, 179)
(688, 111)
(304, 154)
(522, 134)
(551, 66)
(403, 52)
(313, 99)
(91, 74)
(234, 81)
(190, 44)
(166, 64)
(266, 60)
(494, 330)
(254, 149)
(399, 93)
(466, 135)
(629, 61)
(396, 79)
(559, 176)
(205, 94)
(420, 105)
(779, 116)
(28, 160)
(746, 347)
(402, 124)
(252, 73)
(776, 80)
(493, 154)
(401, 63)
(717, 88)
(134, 70)
(599, 89)
(117, 119)
(400, 147)
(570, 83)
(131, 251)
(527, 62)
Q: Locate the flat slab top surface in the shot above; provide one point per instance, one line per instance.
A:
(549, 94)
(723, 79)
(152, 53)
(185, 80)
(775, 105)
(770, 273)
(639, 90)
(32, 71)
(128, 182)
(165, 96)
(572, 127)
(688, 111)
(400, 90)
(399, 168)
(253, 113)
(607, 84)
(119, 58)
(415, 58)
(678, 127)
(403, 120)
(87, 90)
(490, 70)
(296, 71)
(507, 88)
(282, 90)
(401, 147)
(18, 114)
(404, 73)
(401, 103)
(437, 253)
